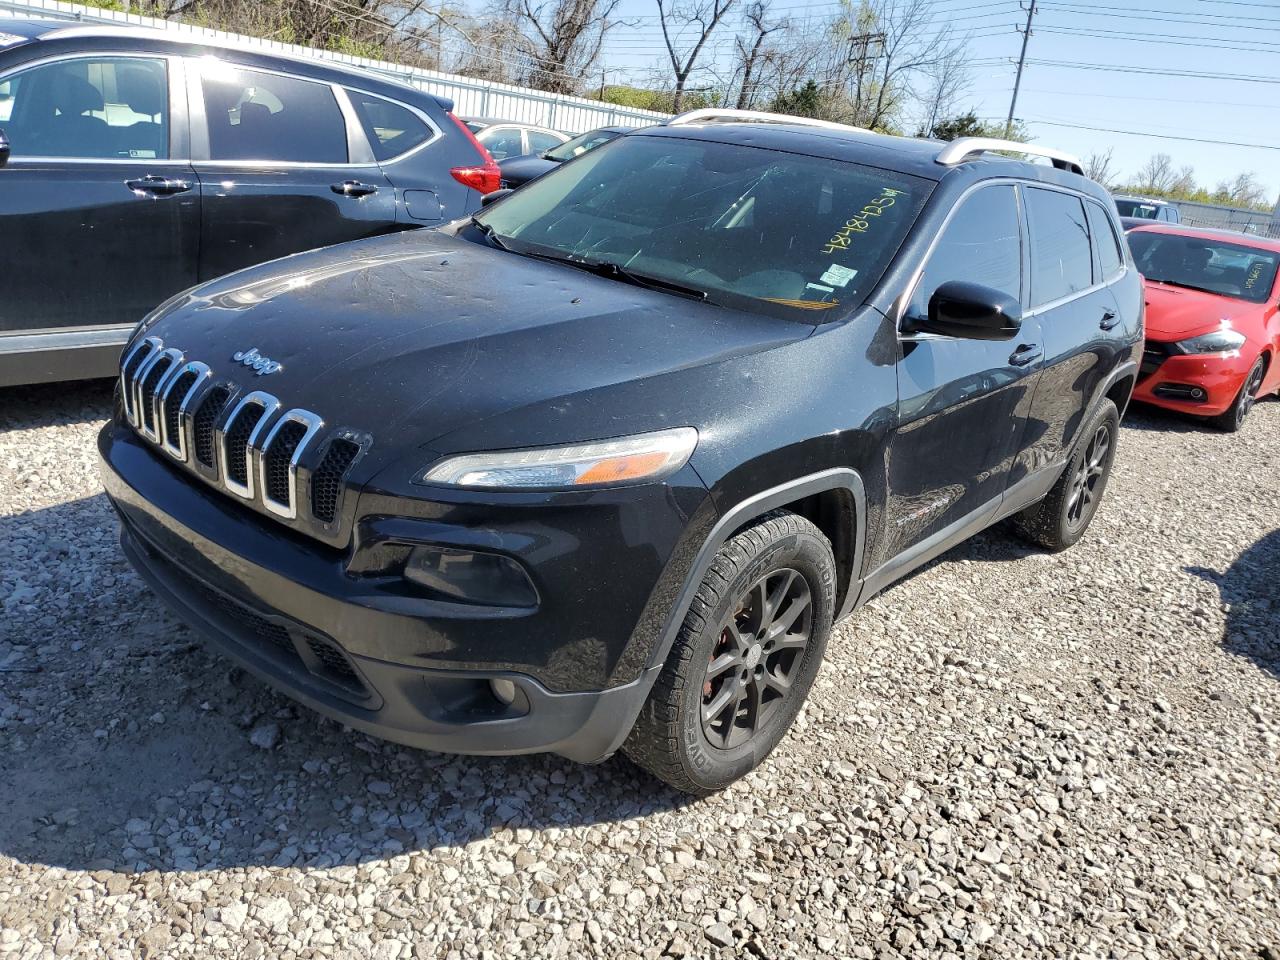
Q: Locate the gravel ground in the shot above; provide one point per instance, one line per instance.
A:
(1008, 755)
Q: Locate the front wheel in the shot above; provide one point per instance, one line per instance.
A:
(1062, 517)
(744, 659)
(1232, 419)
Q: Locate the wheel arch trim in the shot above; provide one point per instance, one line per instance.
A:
(843, 479)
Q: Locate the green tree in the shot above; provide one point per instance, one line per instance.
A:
(805, 101)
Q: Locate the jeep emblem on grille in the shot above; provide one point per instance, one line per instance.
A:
(253, 359)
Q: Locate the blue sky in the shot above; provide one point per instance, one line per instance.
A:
(1237, 117)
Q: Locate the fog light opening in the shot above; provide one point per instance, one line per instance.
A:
(503, 690)
(1197, 393)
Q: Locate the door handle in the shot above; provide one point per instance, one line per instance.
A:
(1025, 353)
(1109, 320)
(155, 186)
(353, 188)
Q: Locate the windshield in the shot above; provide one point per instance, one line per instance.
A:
(778, 233)
(1231, 269)
(1136, 208)
(580, 145)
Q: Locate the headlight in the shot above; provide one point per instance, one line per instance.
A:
(605, 463)
(1217, 342)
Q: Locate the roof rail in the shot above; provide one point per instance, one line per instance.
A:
(729, 115)
(958, 151)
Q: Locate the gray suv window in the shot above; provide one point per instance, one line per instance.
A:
(980, 244)
(264, 116)
(1061, 261)
(1104, 238)
(392, 129)
(107, 108)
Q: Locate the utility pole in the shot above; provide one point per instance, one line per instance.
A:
(859, 57)
(603, 74)
(1017, 81)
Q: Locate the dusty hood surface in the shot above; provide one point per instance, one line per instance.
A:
(422, 333)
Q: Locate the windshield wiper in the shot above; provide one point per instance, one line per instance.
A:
(487, 230)
(614, 271)
(1188, 286)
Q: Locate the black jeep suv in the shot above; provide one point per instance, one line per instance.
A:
(600, 466)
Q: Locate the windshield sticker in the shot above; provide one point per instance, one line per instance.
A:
(838, 276)
(818, 286)
(860, 222)
(9, 39)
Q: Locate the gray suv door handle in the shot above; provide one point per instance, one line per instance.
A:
(157, 186)
(1109, 320)
(353, 188)
(1025, 353)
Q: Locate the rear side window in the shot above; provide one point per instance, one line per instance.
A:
(265, 116)
(540, 143)
(392, 129)
(1061, 261)
(502, 142)
(1105, 239)
(980, 244)
(109, 108)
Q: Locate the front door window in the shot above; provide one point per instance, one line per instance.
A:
(109, 108)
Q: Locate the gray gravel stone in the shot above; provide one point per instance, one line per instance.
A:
(1091, 777)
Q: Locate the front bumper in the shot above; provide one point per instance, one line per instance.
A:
(405, 669)
(1168, 379)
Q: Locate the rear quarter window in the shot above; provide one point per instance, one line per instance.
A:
(1104, 238)
(1061, 260)
(391, 128)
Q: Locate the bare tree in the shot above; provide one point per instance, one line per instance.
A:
(1157, 174)
(1098, 167)
(679, 18)
(1246, 191)
(563, 39)
(948, 79)
(748, 51)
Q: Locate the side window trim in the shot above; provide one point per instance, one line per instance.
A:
(179, 118)
(200, 150)
(353, 120)
(908, 295)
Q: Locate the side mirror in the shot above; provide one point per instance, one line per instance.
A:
(4, 149)
(494, 197)
(971, 311)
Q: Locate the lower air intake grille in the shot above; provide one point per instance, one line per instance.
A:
(336, 667)
(326, 482)
(206, 417)
(173, 406)
(277, 458)
(237, 442)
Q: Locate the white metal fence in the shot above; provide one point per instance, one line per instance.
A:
(480, 98)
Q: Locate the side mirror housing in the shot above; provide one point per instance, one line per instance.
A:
(4, 149)
(970, 311)
(494, 197)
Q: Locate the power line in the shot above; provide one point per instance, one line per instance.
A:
(1152, 71)
(1160, 136)
(1205, 43)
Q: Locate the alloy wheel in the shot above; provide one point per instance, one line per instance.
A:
(757, 656)
(1249, 395)
(1084, 485)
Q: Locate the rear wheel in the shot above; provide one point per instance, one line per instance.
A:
(1062, 517)
(744, 659)
(1232, 419)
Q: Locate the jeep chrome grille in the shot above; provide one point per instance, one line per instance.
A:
(244, 444)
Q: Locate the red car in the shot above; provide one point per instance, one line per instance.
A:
(1213, 325)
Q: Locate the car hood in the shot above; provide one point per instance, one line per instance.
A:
(520, 170)
(419, 334)
(1176, 313)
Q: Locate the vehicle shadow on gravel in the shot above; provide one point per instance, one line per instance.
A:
(1249, 586)
(126, 746)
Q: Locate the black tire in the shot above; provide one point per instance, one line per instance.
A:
(1232, 419)
(782, 557)
(1062, 517)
